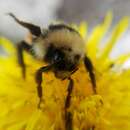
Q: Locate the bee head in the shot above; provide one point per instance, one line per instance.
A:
(62, 58)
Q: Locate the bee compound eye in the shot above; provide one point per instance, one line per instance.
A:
(58, 56)
(77, 57)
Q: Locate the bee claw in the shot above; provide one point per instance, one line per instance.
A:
(24, 73)
(40, 104)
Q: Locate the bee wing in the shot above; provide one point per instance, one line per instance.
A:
(34, 29)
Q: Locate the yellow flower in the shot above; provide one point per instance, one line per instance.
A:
(19, 100)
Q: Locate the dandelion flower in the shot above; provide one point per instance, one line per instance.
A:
(108, 110)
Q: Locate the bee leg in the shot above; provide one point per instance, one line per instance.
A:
(38, 79)
(20, 47)
(34, 29)
(93, 128)
(68, 115)
(89, 68)
(70, 88)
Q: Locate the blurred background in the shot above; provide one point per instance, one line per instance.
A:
(44, 12)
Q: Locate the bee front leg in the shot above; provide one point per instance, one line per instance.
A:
(89, 68)
(20, 47)
(38, 79)
(68, 115)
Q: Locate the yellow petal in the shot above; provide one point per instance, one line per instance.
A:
(116, 34)
(96, 36)
(83, 29)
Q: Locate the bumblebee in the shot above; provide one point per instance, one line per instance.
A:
(61, 47)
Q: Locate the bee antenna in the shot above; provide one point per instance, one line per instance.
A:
(13, 16)
(34, 29)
